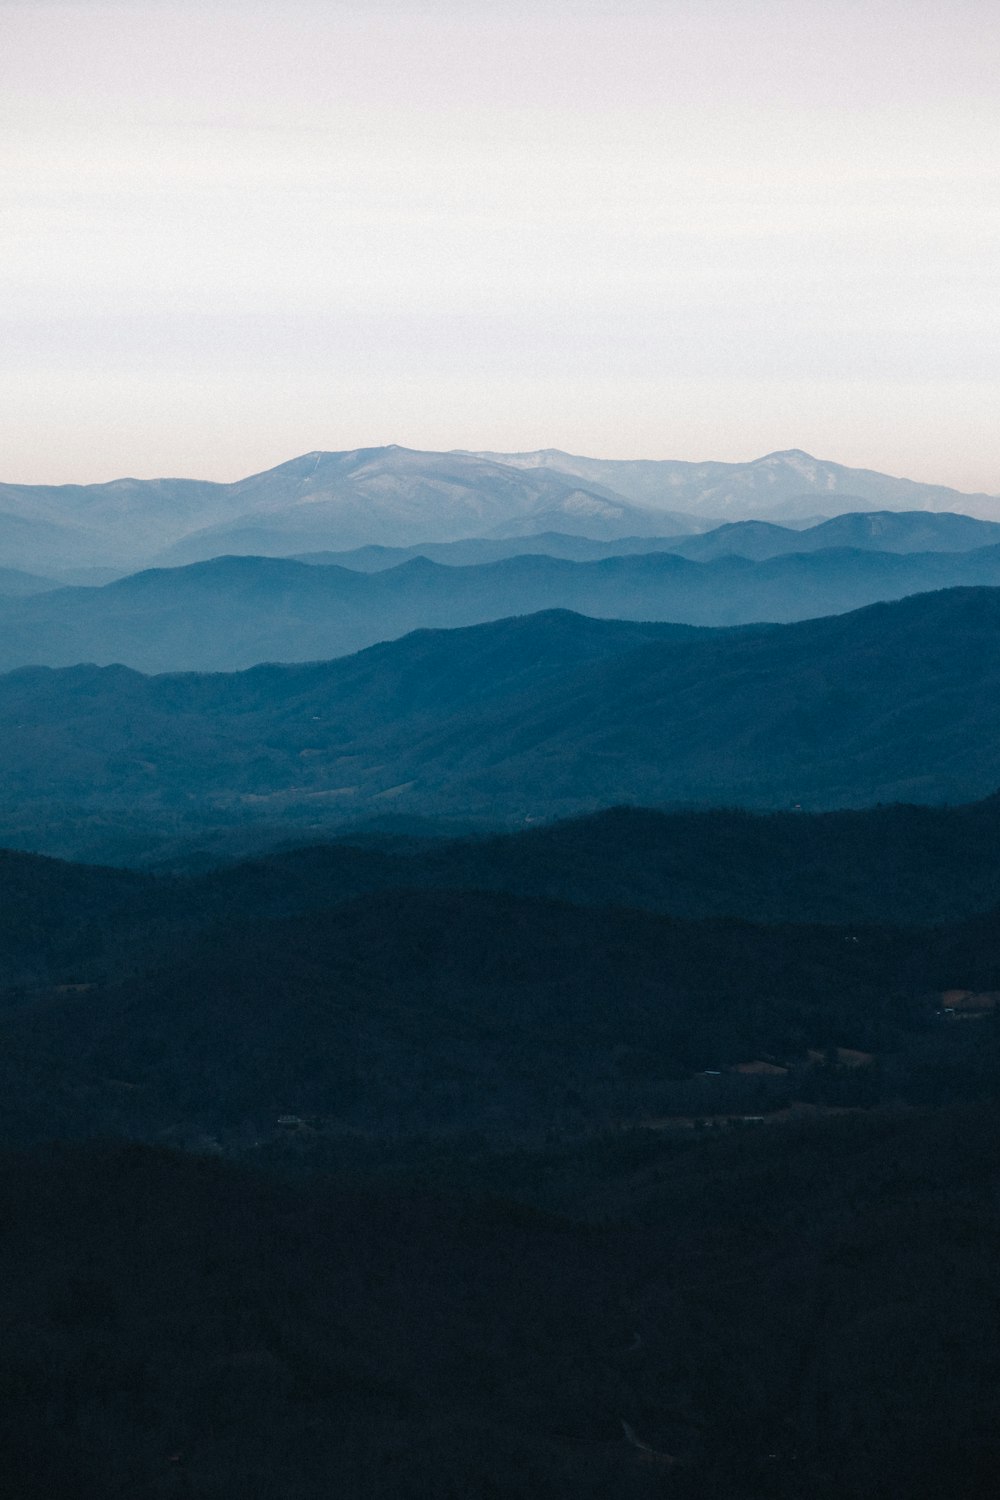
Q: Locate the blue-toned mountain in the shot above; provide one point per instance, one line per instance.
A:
(530, 718)
(233, 612)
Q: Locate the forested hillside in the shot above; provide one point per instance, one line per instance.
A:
(530, 718)
(485, 1196)
(234, 612)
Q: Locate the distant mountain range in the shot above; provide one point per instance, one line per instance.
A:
(393, 496)
(233, 612)
(780, 486)
(531, 718)
(873, 531)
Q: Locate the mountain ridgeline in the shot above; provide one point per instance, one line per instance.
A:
(234, 612)
(538, 717)
(395, 496)
(872, 531)
(62, 922)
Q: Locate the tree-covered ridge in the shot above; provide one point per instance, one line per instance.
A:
(750, 1317)
(229, 613)
(488, 1193)
(62, 923)
(405, 1010)
(537, 717)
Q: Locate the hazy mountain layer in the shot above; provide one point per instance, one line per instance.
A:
(472, 551)
(779, 486)
(872, 531)
(396, 496)
(534, 717)
(235, 612)
(28, 544)
(14, 584)
(393, 496)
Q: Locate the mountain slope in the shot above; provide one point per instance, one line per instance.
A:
(539, 716)
(61, 922)
(781, 485)
(74, 525)
(16, 584)
(233, 612)
(395, 496)
(34, 545)
(472, 551)
(873, 531)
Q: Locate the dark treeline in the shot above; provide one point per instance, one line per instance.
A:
(62, 922)
(445, 1011)
(757, 1317)
(899, 864)
(406, 1010)
(642, 1154)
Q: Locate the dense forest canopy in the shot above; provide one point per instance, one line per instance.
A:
(520, 720)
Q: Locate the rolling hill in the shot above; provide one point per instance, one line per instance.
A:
(471, 551)
(541, 716)
(907, 865)
(874, 531)
(231, 613)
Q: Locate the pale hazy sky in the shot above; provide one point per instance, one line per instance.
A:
(694, 229)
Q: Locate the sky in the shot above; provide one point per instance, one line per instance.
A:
(694, 229)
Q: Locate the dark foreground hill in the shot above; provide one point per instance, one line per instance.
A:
(543, 716)
(452, 1012)
(885, 864)
(443, 1011)
(494, 1196)
(465, 1275)
(62, 922)
(763, 1315)
(234, 612)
